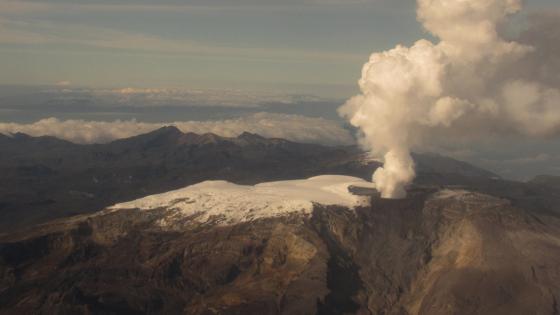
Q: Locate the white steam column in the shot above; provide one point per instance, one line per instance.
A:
(464, 86)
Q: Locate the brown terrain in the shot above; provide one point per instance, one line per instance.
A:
(443, 250)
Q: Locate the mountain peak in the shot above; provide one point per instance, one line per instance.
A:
(209, 200)
(249, 135)
(191, 138)
(167, 130)
(19, 135)
(252, 138)
(156, 138)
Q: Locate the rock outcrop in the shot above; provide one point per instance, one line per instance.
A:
(436, 252)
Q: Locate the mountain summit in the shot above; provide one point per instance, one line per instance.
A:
(265, 249)
(175, 223)
(227, 203)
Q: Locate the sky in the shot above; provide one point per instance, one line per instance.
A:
(312, 46)
(210, 60)
(277, 45)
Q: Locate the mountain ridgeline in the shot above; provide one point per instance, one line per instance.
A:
(463, 241)
(46, 178)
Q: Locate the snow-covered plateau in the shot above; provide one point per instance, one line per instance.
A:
(228, 203)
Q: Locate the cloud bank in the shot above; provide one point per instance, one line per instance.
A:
(64, 94)
(291, 127)
(185, 97)
(471, 85)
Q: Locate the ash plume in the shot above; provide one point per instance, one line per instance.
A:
(471, 84)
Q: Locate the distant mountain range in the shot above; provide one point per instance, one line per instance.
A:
(464, 241)
(46, 178)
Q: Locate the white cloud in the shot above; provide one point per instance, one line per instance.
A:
(65, 92)
(290, 127)
(205, 97)
(63, 83)
(471, 84)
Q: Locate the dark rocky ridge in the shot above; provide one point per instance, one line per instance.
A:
(45, 178)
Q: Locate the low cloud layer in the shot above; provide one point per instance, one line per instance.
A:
(64, 94)
(291, 127)
(189, 97)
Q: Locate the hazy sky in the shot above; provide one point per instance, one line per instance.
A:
(277, 67)
(311, 46)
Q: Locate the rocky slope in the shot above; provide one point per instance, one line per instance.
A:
(439, 251)
(462, 242)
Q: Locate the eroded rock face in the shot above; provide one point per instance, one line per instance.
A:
(447, 252)
(461, 254)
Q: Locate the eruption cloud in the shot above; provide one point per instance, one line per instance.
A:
(471, 84)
